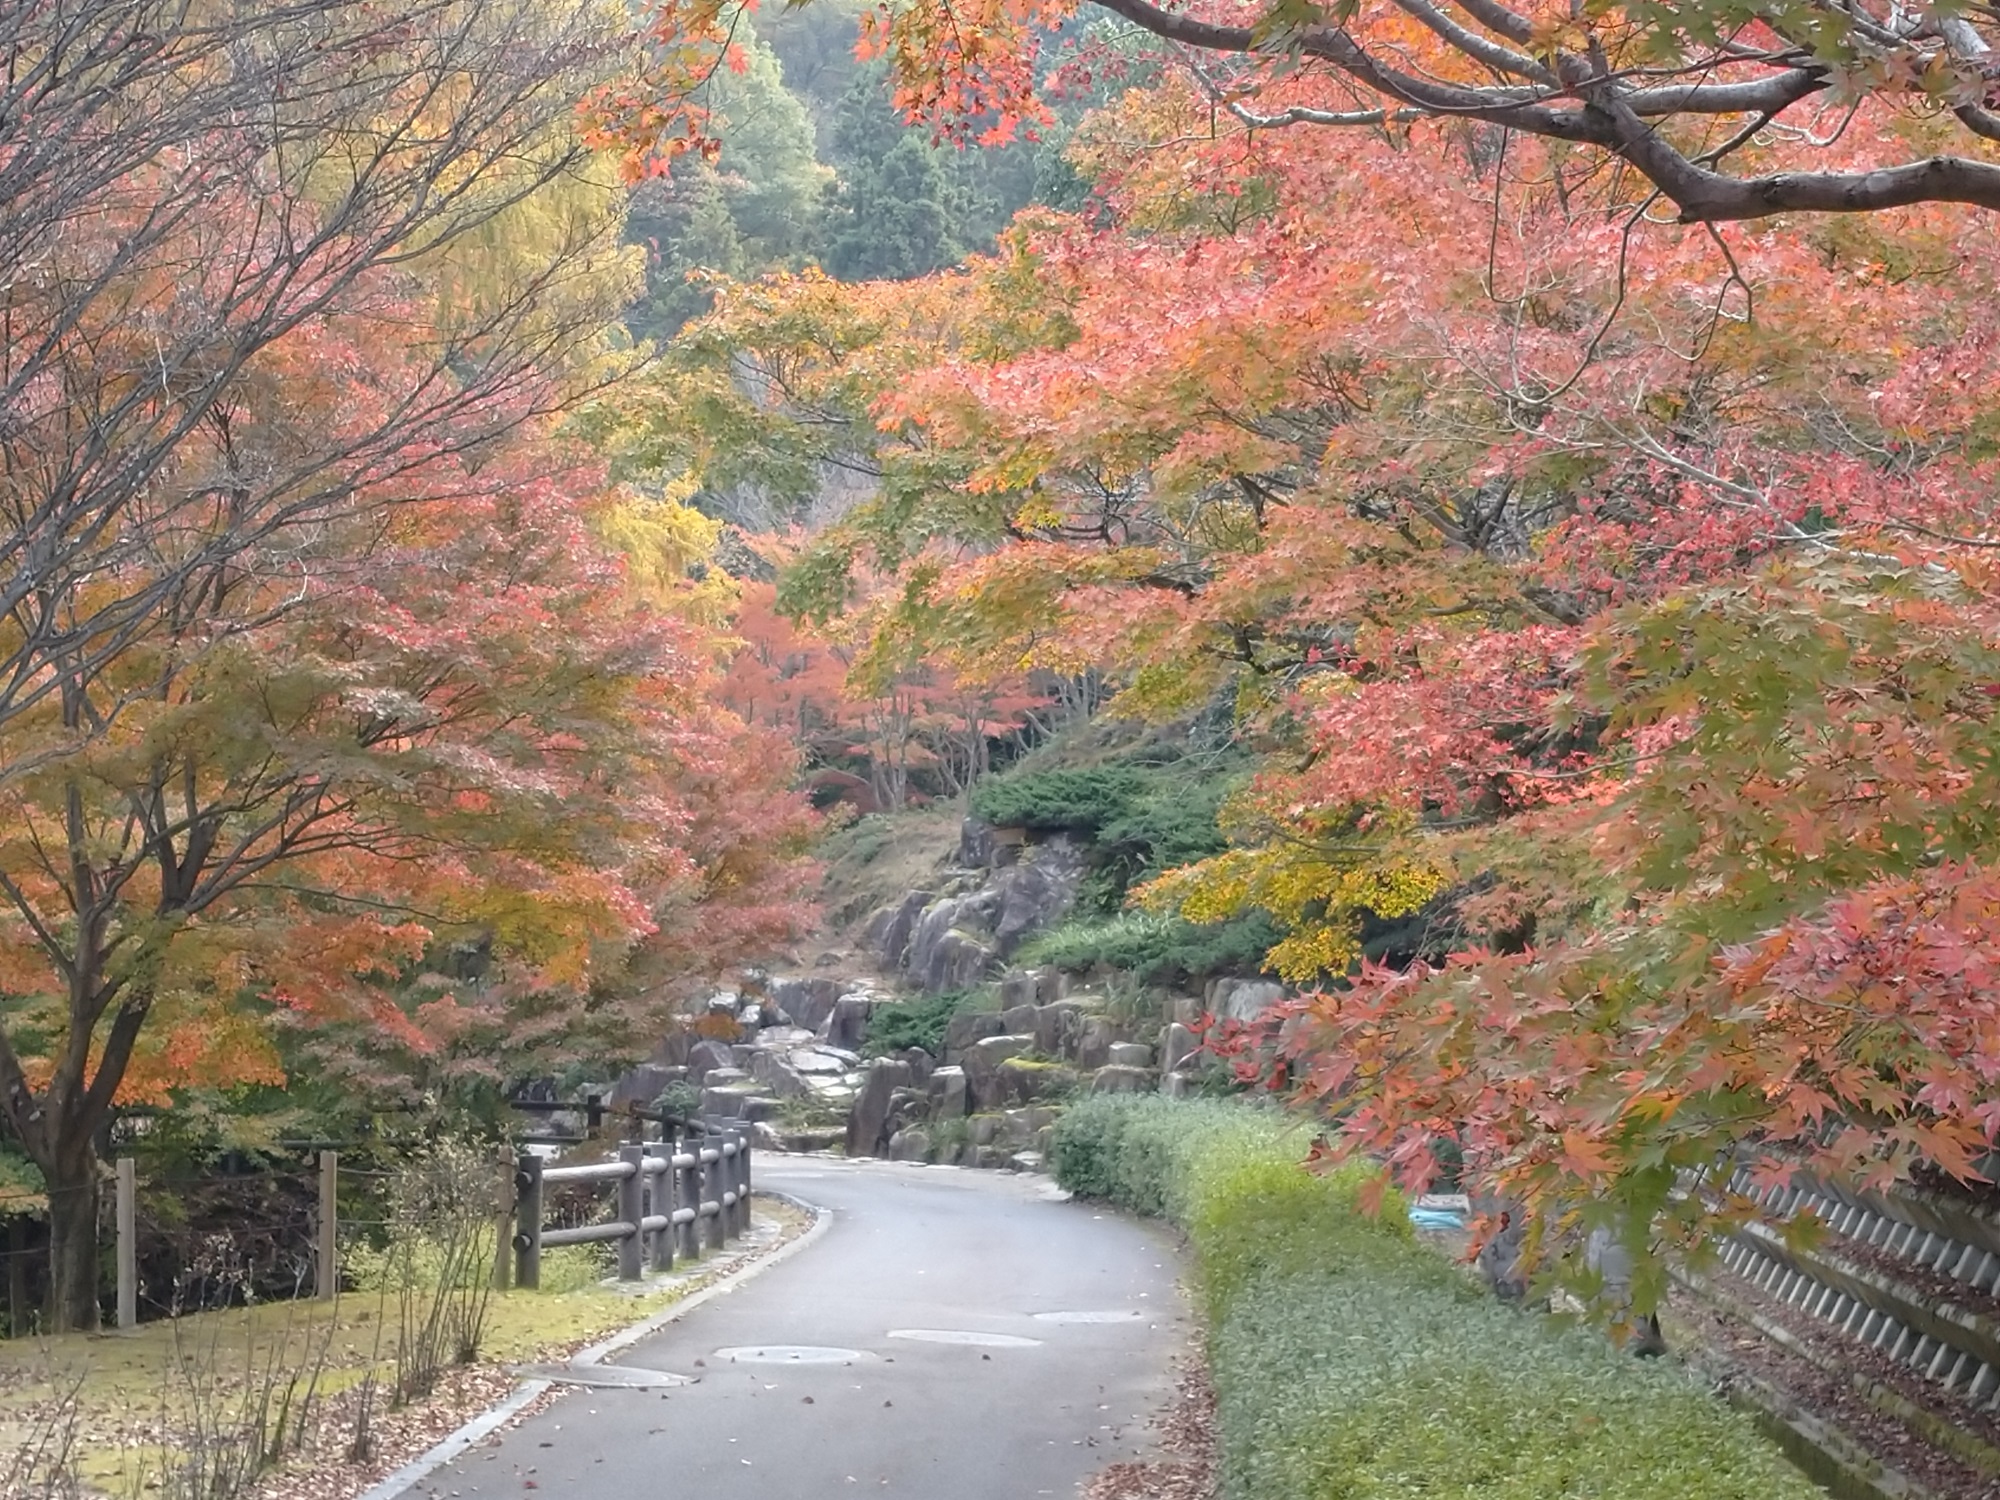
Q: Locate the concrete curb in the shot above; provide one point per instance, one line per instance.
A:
(489, 1422)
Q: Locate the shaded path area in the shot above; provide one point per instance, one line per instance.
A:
(952, 1334)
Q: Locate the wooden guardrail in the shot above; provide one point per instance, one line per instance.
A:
(673, 1198)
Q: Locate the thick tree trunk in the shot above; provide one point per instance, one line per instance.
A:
(73, 1270)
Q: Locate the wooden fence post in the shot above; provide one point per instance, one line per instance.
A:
(326, 1281)
(739, 1206)
(128, 1248)
(714, 1184)
(528, 1222)
(632, 1209)
(687, 1197)
(743, 1177)
(660, 1202)
(503, 1261)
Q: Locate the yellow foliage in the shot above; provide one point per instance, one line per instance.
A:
(1317, 900)
(669, 548)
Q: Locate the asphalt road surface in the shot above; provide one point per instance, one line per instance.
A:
(953, 1335)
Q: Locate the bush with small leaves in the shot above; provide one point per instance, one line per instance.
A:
(1352, 1364)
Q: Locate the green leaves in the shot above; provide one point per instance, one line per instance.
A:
(1350, 1362)
(1801, 733)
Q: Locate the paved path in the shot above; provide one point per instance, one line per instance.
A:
(995, 1400)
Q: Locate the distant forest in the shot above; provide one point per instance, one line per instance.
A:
(817, 167)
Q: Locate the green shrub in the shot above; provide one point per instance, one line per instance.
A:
(913, 1023)
(1352, 1364)
(1154, 947)
(1137, 820)
(1079, 802)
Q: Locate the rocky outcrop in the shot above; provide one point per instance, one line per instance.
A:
(1243, 999)
(890, 930)
(962, 1031)
(704, 1057)
(778, 1059)
(1115, 1078)
(868, 1123)
(962, 934)
(804, 1001)
(847, 1025)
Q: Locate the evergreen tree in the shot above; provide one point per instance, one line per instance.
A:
(893, 212)
(892, 219)
(685, 223)
(755, 210)
(769, 171)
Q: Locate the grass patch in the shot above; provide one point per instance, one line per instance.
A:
(108, 1388)
(880, 858)
(1352, 1364)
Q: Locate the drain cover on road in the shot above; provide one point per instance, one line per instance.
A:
(790, 1354)
(603, 1377)
(1107, 1315)
(963, 1336)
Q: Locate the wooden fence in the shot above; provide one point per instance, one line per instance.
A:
(673, 1197)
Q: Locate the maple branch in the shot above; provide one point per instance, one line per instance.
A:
(1501, 59)
(1497, 18)
(1590, 103)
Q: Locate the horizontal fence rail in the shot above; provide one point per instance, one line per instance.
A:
(671, 1199)
(1914, 1281)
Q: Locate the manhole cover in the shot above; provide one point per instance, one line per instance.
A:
(963, 1336)
(1107, 1315)
(603, 1377)
(789, 1354)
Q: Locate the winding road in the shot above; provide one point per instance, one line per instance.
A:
(952, 1335)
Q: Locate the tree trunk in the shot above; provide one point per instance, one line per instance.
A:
(73, 1271)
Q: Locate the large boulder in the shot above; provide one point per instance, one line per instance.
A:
(1018, 987)
(949, 1098)
(868, 1120)
(1244, 999)
(975, 844)
(1177, 1045)
(983, 1061)
(952, 947)
(1057, 1028)
(969, 1027)
(818, 1062)
(983, 1058)
(1117, 1079)
(775, 1072)
(1094, 1037)
(1132, 1054)
(704, 1057)
(643, 1085)
(891, 928)
(1036, 892)
(673, 1049)
(729, 1100)
(909, 1145)
(807, 1000)
(847, 1027)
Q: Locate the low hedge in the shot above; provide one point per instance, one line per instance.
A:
(1351, 1363)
